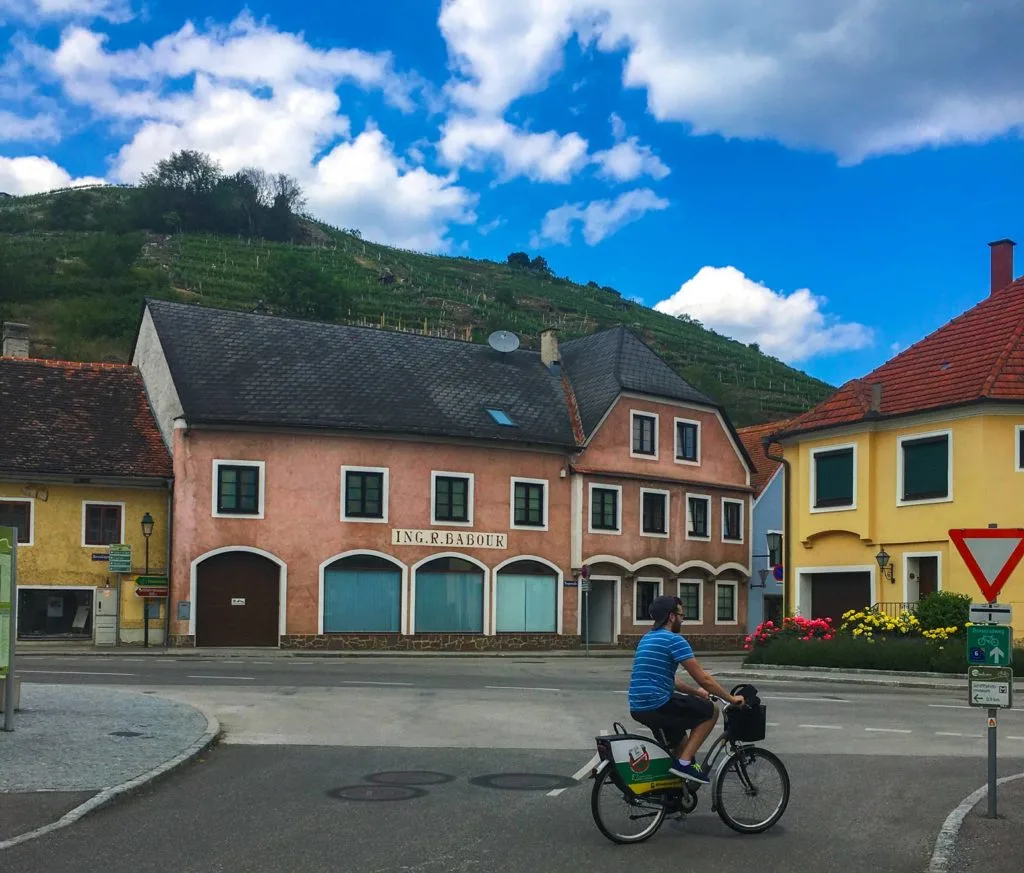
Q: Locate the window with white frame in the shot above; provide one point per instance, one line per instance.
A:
(687, 441)
(364, 494)
(698, 517)
(102, 524)
(646, 591)
(653, 512)
(725, 602)
(925, 467)
(691, 593)
(238, 488)
(452, 498)
(17, 512)
(605, 509)
(530, 504)
(645, 434)
(732, 520)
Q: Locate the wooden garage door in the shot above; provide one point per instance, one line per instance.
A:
(832, 594)
(237, 596)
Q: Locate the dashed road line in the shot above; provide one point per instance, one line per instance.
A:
(579, 774)
(77, 673)
(369, 682)
(949, 706)
(824, 727)
(888, 730)
(806, 699)
(518, 688)
(241, 678)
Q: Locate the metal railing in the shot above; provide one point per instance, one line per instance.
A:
(895, 608)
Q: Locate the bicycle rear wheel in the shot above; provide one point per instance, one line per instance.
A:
(752, 791)
(620, 820)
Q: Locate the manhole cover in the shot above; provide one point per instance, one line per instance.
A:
(125, 734)
(523, 781)
(376, 792)
(410, 777)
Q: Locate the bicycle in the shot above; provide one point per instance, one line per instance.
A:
(629, 765)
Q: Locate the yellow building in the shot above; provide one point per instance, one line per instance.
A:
(879, 473)
(81, 465)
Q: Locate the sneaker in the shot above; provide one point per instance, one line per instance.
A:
(690, 772)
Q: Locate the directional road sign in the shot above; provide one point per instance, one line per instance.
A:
(991, 613)
(989, 645)
(120, 558)
(991, 554)
(990, 687)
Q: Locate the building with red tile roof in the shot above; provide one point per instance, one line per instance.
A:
(753, 441)
(82, 464)
(882, 470)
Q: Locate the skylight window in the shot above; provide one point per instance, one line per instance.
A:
(501, 417)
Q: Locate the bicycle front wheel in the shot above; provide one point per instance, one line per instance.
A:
(620, 820)
(752, 791)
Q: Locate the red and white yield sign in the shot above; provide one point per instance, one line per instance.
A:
(991, 554)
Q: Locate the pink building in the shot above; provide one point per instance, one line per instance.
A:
(341, 487)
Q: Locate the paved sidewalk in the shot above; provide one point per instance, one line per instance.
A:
(75, 747)
(988, 845)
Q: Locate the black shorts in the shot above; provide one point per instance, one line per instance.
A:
(678, 715)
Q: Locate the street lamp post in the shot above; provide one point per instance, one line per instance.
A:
(147, 532)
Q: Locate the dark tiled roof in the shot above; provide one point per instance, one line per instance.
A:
(241, 368)
(63, 418)
(977, 356)
(604, 364)
(764, 468)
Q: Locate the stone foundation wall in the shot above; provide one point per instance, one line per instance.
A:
(699, 642)
(430, 642)
(181, 641)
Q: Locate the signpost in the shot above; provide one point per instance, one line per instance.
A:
(991, 554)
(585, 588)
(8, 618)
(120, 558)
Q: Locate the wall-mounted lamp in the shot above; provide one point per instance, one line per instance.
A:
(763, 573)
(884, 564)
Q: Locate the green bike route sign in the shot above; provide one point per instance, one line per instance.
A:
(7, 539)
(989, 645)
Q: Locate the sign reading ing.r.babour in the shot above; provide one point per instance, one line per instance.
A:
(464, 539)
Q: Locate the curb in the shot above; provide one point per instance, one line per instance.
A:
(107, 796)
(183, 654)
(945, 842)
(865, 681)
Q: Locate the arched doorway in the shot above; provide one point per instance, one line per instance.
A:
(238, 600)
(449, 596)
(526, 598)
(362, 594)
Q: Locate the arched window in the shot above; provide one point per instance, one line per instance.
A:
(362, 594)
(449, 597)
(527, 598)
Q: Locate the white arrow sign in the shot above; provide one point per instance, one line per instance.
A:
(997, 654)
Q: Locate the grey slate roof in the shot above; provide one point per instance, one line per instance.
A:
(242, 368)
(602, 365)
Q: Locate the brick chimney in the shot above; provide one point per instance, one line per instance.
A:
(550, 356)
(1002, 263)
(15, 340)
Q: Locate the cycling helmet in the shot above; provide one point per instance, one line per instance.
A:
(661, 608)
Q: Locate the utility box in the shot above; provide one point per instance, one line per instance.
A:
(105, 617)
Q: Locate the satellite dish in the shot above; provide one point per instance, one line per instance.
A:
(503, 341)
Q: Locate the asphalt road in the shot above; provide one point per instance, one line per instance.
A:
(262, 809)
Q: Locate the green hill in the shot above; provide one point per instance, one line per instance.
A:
(75, 266)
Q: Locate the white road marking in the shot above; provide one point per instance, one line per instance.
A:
(242, 678)
(368, 682)
(888, 730)
(579, 774)
(806, 699)
(1009, 738)
(949, 706)
(772, 724)
(76, 673)
(824, 727)
(518, 688)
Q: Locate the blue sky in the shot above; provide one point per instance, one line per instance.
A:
(818, 176)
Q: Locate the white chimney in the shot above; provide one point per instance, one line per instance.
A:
(550, 356)
(15, 340)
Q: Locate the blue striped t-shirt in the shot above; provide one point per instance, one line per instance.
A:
(658, 654)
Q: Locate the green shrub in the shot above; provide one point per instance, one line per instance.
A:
(944, 609)
(911, 655)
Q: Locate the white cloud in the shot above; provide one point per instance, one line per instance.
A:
(15, 128)
(856, 77)
(34, 11)
(600, 218)
(628, 160)
(478, 142)
(33, 175)
(791, 327)
(247, 94)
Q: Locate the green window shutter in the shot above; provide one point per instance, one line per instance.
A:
(833, 478)
(926, 468)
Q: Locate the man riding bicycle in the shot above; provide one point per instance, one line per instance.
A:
(658, 698)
